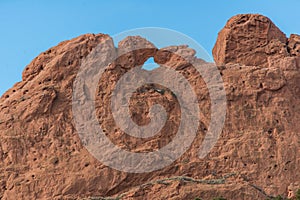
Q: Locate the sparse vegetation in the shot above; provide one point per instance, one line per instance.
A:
(279, 197)
(167, 181)
(219, 198)
(104, 198)
(298, 194)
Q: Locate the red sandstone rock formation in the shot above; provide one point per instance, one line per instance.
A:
(253, 40)
(256, 156)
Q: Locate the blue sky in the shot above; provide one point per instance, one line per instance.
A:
(31, 27)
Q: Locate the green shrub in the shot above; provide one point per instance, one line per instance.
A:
(219, 198)
(298, 195)
(278, 198)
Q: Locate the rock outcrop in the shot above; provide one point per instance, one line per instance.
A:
(253, 40)
(256, 157)
(294, 45)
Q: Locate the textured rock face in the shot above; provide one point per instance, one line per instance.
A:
(256, 156)
(252, 40)
(294, 45)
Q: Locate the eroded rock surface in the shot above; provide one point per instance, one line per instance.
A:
(253, 40)
(257, 155)
(294, 45)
